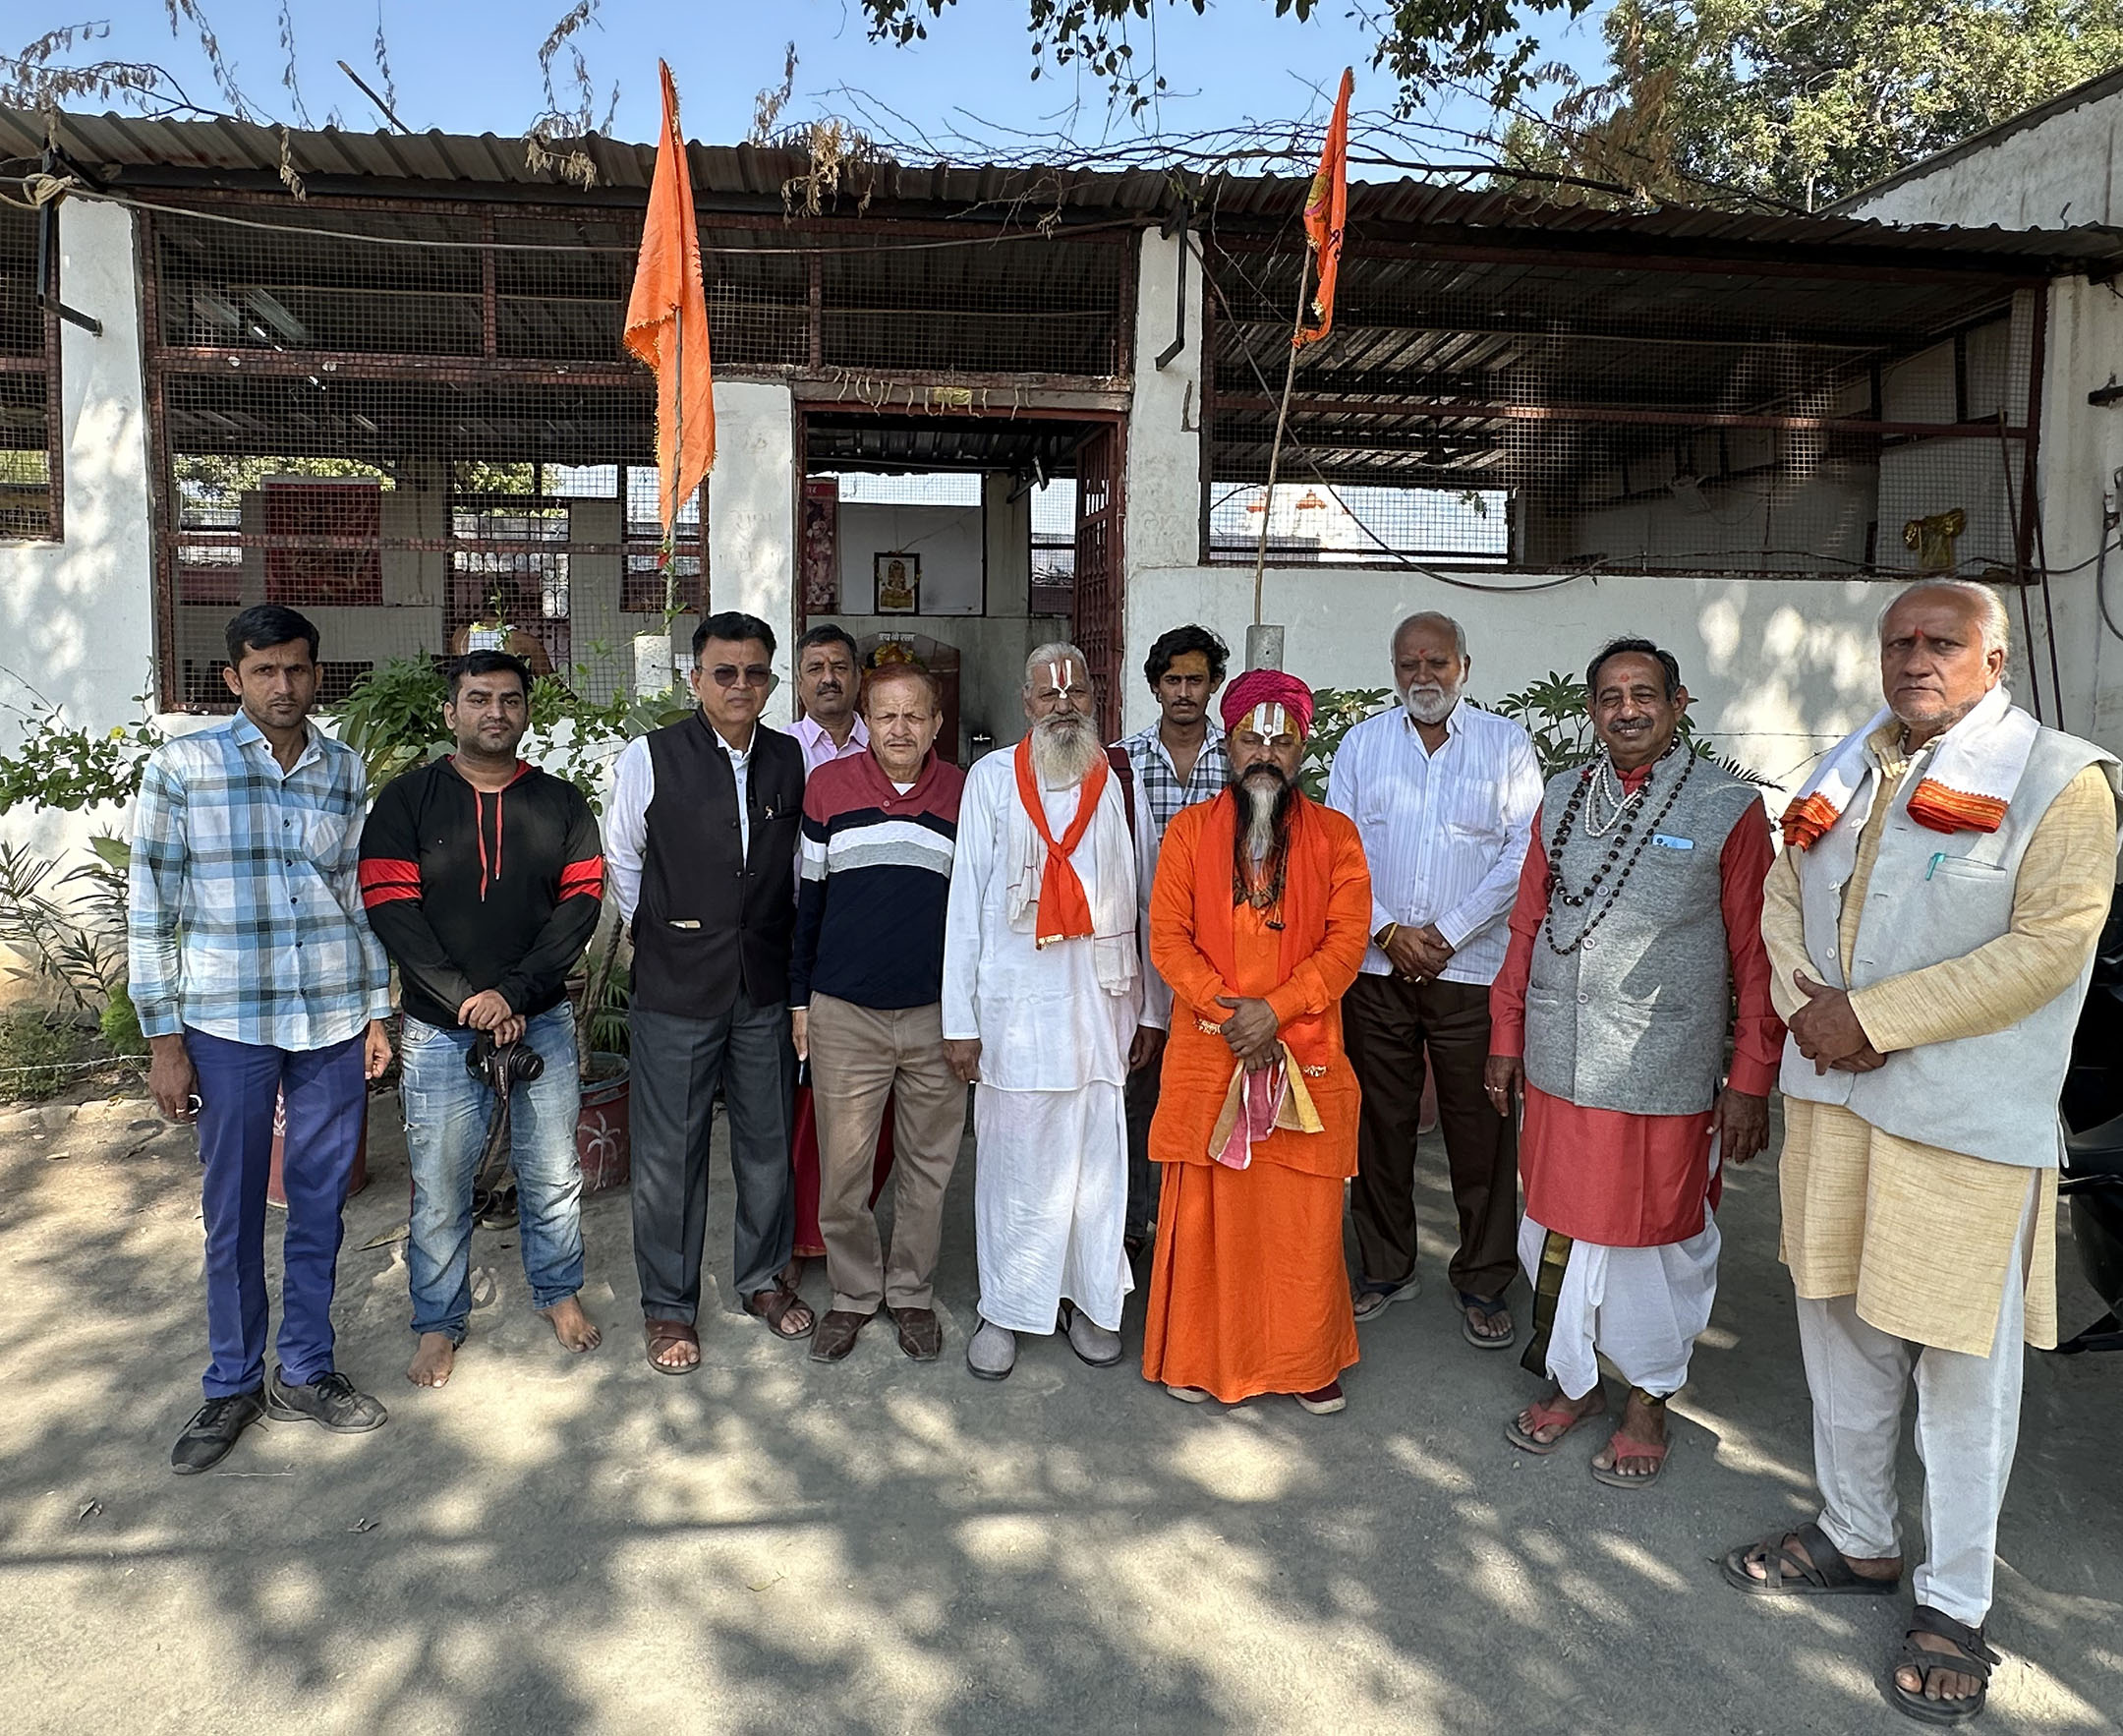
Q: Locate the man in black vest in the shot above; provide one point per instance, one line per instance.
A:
(702, 836)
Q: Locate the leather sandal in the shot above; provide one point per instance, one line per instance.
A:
(1820, 1571)
(775, 1304)
(1970, 1657)
(662, 1335)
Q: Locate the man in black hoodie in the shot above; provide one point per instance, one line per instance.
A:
(482, 877)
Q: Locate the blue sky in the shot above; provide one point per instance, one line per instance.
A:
(471, 65)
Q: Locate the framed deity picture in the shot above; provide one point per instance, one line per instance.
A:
(898, 583)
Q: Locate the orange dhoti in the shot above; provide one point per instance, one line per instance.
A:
(1249, 1293)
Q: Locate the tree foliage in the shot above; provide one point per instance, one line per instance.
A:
(1806, 101)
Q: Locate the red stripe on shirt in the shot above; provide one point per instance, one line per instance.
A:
(584, 879)
(386, 879)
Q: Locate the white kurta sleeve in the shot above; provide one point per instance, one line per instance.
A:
(973, 862)
(626, 825)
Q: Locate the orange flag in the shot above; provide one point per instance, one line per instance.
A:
(1326, 210)
(666, 319)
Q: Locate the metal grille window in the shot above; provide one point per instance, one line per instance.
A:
(1510, 406)
(30, 453)
(1054, 546)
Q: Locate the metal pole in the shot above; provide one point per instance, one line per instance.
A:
(1275, 449)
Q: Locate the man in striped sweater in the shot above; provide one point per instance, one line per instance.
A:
(865, 989)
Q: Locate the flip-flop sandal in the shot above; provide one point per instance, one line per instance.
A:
(1373, 1297)
(1823, 1571)
(1970, 1657)
(662, 1335)
(776, 1311)
(1627, 1447)
(1546, 1417)
(1489, 1310)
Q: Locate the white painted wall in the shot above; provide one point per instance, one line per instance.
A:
(2062, 171)
(948, 538)
(75, 615)
(752, 509)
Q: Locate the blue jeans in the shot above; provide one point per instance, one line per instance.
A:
(327, 1101)
(447, 1111)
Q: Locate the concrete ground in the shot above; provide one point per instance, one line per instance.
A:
(554, 1544)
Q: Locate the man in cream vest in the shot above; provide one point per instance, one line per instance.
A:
(1931, 925)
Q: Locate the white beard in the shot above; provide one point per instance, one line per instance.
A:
(1065, 748)
(1431, 706)
(1259, 797)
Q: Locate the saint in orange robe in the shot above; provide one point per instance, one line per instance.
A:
(1249, 1293)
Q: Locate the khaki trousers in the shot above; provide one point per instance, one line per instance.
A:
(861, 1055)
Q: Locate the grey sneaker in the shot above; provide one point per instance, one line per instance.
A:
(208, 1438)
(330, 1401)
(1091, 1341)
(992, 1354)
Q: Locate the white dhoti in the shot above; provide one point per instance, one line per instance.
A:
(1050, 1203)
(1050, 1178)
(1640, 1307)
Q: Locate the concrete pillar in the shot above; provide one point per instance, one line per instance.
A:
(752, 509)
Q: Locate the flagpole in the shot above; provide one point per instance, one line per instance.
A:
(1275, 449)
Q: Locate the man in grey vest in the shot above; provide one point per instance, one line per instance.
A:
(1637, 926)
(1932, 927)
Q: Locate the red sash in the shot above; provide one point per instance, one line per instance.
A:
(1064, 912)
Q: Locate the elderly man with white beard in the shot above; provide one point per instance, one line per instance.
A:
(1042, 993)
(1443, 794)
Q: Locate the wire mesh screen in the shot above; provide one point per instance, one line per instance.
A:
(1558, 417)
(28, 388)
(417, 424)
(423, 447)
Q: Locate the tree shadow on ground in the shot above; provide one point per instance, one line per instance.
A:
(558, 1543)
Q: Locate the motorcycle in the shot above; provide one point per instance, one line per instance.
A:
(2092, 1175)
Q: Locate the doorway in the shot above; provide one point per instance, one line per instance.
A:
(963, 542)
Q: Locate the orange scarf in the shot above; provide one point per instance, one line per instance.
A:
(1307, 883)
(1064, 912)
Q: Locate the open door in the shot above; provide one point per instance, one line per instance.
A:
(1095, 622)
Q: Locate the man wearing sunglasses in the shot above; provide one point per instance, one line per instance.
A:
(701, 847)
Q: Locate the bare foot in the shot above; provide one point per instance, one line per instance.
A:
(432, 1360)
(1639, 1422)
(1548, 1433)
(571, 1326)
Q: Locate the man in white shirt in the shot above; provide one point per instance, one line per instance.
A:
(1443, 794)
(827, 690)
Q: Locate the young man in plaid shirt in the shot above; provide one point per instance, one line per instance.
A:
(257, 979)
(1178, 760)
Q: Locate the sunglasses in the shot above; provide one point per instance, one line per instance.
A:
(751, 675)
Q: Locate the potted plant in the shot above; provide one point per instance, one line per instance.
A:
(603, 1141)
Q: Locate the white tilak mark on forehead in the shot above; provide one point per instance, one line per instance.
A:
(1268, 720)
(1061, 677)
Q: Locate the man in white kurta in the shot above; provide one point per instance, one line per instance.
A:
(1042, 991)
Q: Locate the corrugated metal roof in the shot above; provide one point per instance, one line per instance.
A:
(138, 150)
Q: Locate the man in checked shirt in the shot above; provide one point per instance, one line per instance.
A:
(1178, 760)
(257, 978)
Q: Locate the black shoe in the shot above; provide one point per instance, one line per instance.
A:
(495, 1210)
(208, 1436)
(330, 1400)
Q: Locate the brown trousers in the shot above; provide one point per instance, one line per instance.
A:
(861, 1055)
(1387, 1024)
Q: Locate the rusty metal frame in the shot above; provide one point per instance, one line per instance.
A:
(46, 364)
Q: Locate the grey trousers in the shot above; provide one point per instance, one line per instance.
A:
(1968, 1425)
(1145, 1180)
(678, 1063)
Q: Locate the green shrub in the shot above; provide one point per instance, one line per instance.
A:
(37, 1053)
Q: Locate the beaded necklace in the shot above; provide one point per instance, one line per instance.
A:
(1627, 817)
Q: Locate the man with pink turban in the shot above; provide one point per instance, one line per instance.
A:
(1258, 921)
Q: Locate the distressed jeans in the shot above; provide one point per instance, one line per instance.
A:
(446, 1113)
